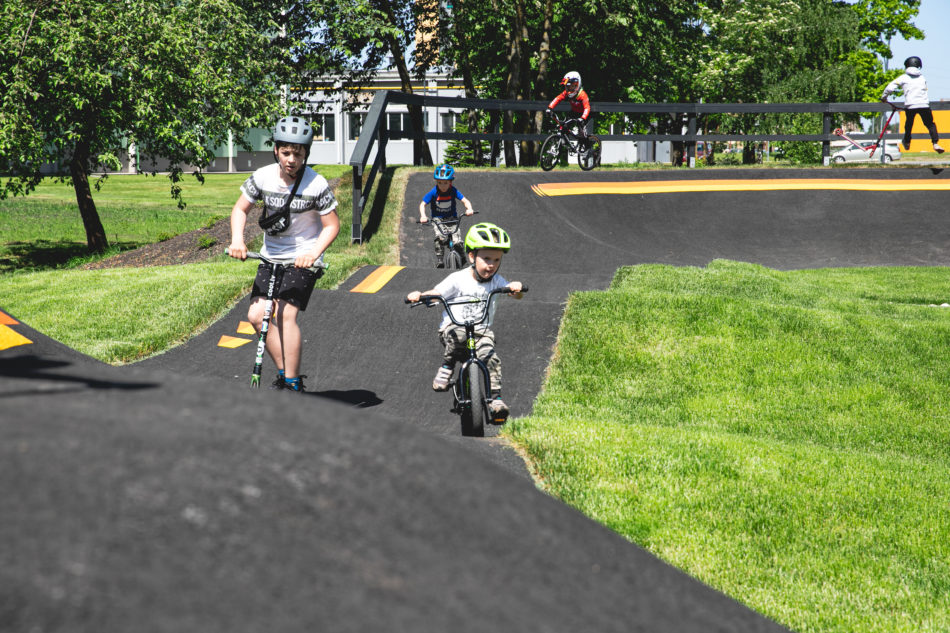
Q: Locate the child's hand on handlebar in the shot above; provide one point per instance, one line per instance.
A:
(238, 250)
(470, 212)
(413, 296)
(515, 288)
(306, 260)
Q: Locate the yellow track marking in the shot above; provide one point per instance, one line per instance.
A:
(232, 341)
(9, 338)
(246, 328)
(377, 279)
(703, 186)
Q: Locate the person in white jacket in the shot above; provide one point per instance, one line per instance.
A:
(916, 100)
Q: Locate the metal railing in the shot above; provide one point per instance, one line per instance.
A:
(374, 134)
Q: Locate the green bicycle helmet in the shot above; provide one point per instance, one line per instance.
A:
(487, 235)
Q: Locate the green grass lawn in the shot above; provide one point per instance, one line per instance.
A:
(782, 436)
(123, 315)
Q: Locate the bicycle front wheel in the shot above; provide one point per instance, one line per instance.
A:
(456, 260)
(589, 157)
(551, 151)
(475, 416)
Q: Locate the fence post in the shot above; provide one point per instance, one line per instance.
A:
(826, 130)
(357, 228)
(691, 145)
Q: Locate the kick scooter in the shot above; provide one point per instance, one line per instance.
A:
(871, 148)
(277, 269)
(472, 386)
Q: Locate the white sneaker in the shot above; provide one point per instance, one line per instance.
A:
(938, 149)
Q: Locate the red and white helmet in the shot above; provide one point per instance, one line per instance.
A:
(572, 83)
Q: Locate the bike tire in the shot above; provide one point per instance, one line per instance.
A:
(455, 260)
(551, 150)
(589, 158)
(476, 415)
(448, 257)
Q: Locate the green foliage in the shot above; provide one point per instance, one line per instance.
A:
(84, 78)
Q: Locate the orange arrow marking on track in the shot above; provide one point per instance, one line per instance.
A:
(706, 186)
(232, 341)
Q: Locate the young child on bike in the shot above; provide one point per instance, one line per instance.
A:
(916, 101)
(442, 202)
(577, 97)
(485, 245)
(300, 222)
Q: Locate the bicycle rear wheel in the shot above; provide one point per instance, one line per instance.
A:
(475, 416)
(551, 151)
(589, 157)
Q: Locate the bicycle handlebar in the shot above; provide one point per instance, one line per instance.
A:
(444, 220)
(430, 300)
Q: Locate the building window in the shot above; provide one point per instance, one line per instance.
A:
(399, 125)
(356, 120)
(449, 120)
(324, 127)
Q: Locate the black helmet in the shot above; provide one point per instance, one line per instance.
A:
(913, 62)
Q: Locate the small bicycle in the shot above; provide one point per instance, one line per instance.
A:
(453, 253)
(277, 269)
(472, 386)
(565, 141)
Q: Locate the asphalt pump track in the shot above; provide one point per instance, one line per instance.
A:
(167, 495)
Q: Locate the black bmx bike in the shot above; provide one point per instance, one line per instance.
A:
(471, 388)
(565, 141)
(277, 269)
(453, 252)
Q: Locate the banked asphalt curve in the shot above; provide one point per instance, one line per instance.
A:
(167, 496)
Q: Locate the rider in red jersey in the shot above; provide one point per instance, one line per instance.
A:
(580, 102)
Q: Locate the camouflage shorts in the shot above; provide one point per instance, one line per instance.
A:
(453, 338)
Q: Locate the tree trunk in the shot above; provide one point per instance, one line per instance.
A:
(541, 79)
(95, 233)
(513, 40)
(420, 147)
(468, 81)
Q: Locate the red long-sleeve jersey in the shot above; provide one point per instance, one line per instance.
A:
(580, 104)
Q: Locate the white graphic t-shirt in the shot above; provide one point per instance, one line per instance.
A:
(313, 199)
(463, 285)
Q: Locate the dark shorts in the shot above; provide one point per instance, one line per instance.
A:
(296, 286)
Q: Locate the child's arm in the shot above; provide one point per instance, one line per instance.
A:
(238, 248)
(415, 295)
(423, 218)
(468, 206)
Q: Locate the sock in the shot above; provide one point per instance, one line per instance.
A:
(280, 374)
(293, 383)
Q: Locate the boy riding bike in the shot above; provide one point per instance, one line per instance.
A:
(577, 97)
(300, 222)
(442, 201)
(485, 245)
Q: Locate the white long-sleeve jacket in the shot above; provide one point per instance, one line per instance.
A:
(914, 85)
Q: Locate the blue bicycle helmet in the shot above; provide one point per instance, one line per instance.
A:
(444, 172)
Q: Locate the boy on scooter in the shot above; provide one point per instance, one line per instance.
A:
(485, 245)
(300, 222)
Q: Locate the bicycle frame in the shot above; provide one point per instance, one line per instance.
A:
(446, 228)
(573, 141)
(461, 391)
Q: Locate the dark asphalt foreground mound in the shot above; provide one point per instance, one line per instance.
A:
(141, 500)
(167, 496)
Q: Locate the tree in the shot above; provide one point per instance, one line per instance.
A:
(85, 79)
(354, 39)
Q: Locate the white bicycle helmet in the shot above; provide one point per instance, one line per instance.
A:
(572, 83)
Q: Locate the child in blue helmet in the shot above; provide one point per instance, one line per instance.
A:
(442, 200)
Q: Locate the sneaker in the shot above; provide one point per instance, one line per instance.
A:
(299, 387)
(938, 149)
(499, 411)
(442, 377)
(906, 146)
(278, 383)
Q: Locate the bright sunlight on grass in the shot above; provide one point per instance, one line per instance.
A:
(783, 436)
